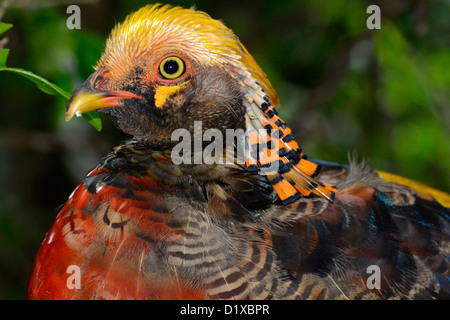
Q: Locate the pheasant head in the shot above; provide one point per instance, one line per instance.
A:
(167, 67)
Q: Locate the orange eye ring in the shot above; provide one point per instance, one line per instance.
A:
(172, 68)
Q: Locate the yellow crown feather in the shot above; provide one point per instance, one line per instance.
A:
(160, 27)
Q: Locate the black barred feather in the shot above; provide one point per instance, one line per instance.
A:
(316, 246)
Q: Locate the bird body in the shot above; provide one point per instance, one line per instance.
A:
(270, 224)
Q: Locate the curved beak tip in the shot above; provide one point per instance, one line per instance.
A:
(85, 99)
(69, 115)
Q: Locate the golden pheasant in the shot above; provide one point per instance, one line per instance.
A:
(238, 211)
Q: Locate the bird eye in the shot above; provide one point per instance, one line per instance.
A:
(171, 68)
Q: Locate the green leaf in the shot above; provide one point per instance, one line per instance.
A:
(4, 27)
(94, 119)
(43, 84)
(46, 86)
(3, 56)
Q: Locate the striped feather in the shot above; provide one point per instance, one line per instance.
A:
(273, 152)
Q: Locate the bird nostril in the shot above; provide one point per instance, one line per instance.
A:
(101, 81)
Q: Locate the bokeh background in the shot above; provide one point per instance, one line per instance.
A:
(344, 89)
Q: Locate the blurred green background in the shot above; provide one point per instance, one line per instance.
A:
(383, 94)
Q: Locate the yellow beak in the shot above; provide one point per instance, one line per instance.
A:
(84, 99)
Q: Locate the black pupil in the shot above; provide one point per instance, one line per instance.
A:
(171, 67)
